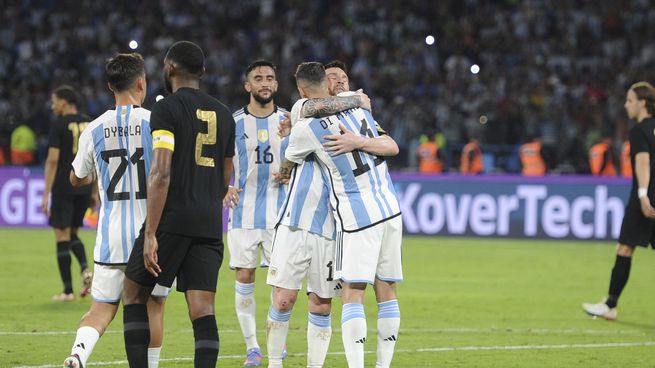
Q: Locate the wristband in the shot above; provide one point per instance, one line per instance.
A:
(642, 192)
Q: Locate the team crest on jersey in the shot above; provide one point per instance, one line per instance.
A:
(262, 135)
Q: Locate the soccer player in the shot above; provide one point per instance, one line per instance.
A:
(258, 150)
(117, 148)
(638, 227)
(304, 247)
(367, 213)
(66, 212)
(193, 142)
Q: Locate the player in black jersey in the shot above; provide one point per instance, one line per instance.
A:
(66, 210)
(638, 227)
(193, 142)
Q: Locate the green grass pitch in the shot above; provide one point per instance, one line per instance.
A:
(465, 302)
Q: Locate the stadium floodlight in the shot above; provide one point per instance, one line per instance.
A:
(475, 69)
(429, 40)
(133, 44)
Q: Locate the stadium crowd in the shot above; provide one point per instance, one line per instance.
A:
(552, 69)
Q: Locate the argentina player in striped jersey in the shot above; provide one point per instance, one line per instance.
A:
(304, 243)
(116, 148)
(367, 212)
(258, 152)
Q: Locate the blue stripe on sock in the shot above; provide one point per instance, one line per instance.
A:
(320, 321)
(352, 310)
(278, 316)
(244, 289)
(389, 309)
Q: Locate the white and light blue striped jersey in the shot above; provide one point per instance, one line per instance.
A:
(361, 191)
(118, 147)
(307, 205)
(258, 151)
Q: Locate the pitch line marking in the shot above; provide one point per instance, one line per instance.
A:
(421, 350)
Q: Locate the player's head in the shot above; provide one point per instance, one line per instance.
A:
(184, 60)
(310, 79)
(640, 100)
(126, 73)
(337, 77)
(64, 99)
(261, 81)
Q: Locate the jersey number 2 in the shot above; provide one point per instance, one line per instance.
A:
(206, 139)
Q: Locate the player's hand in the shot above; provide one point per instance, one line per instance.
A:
(366, 101)
(231, 198)
(284, 129)
(345, 142)
(150, 258)
(45, 204)
(280, 179)
(646, 208)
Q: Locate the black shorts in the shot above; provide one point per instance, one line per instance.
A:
(636, 229)
(194, 261)
(67, 210)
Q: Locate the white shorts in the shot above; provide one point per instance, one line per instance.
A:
(298, 255)
(244, 245)
(363, 255)
(107, 284)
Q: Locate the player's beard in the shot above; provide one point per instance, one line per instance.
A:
(167, 83)
(263, 100)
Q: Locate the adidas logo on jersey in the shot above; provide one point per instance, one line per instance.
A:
(391, 338)
(360, 341)
(244, 137)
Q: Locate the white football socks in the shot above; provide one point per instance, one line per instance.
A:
(244, 300)
(85, 340)
(353, 333)
(388, 325)
(319, 332)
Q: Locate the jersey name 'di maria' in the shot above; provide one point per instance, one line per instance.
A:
(118, 146)
(258, 153)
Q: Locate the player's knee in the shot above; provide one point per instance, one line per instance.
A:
(318, 305)
(134, 293)
(245, 275)
(624, 250)
(284, 301)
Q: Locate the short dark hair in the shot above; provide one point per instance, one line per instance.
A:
(122, 70)
(337, 64)
(260, 63)
(68, 94)
(312, 72)
(646, 92)
(188, 56)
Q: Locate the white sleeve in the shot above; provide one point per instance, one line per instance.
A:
(83, 163)
(296, 111)
(301, 144)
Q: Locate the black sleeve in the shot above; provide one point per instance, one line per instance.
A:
(638, 141)
(54, 136)
(229, 147)
(161, 117)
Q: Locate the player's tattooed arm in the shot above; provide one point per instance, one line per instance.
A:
(284, 174)
(321, 107)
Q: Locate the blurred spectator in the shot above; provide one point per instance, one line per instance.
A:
(532, 160)
(429, 161)
(471, 162)
(601, 158)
